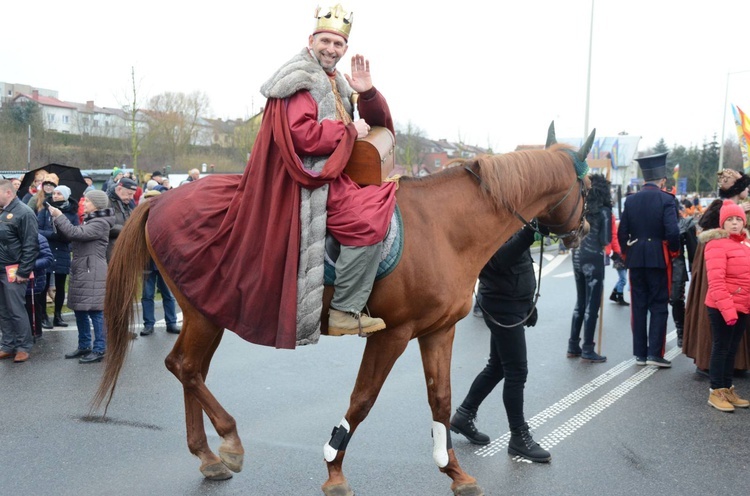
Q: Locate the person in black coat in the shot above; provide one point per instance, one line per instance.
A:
(36, 300)
(60, 247)
(649, 238)
(588, 270)
(506, 297)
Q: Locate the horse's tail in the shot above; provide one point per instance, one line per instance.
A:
(124, 275)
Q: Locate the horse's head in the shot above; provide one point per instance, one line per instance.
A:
(566, 216)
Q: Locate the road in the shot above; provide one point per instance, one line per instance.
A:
(612, 428)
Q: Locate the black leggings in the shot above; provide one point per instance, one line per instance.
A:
(507, 361)
(725, 341)
(59, 290)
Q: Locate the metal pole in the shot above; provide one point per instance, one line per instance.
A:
(588, 77)
(28, 152)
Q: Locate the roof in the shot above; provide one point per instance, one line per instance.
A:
(45, 100)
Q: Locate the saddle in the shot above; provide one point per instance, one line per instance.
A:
(393, 249)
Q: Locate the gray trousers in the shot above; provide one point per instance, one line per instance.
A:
(356, 269)
(14, 321)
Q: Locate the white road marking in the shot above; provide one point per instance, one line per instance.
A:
(564, 274)
(588, 413)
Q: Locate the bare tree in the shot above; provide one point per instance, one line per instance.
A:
(411, 149)
(174, 121)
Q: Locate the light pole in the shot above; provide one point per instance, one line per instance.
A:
(724, 122)
(588, 77)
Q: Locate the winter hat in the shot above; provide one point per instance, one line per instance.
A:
(98, 198)
(730, 209)
(151, 184)
(64, 191)
(732, 183)
(115, 171)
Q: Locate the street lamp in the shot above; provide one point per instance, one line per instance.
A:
(724, 122)
(588, 75)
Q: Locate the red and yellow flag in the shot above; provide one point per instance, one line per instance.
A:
(743, 133)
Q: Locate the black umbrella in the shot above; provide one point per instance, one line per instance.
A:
(69, 176)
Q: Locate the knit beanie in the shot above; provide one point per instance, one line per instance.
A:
(64, 191)
(98, 198)
(151, 184)
(730, 209)
(115, 171)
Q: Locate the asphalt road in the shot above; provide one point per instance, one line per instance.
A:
(612, 428)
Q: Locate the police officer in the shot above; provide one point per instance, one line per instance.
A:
(19, 247)
(649, 237)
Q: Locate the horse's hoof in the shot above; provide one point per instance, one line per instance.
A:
(468, 490)
(233, 461)
(338, 490)
(216, 471)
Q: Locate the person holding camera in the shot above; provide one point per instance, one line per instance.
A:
(506, 298)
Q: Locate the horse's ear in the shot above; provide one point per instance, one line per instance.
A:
(551, 139)
(586, 148)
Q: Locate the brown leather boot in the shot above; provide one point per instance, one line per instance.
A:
(732, 397)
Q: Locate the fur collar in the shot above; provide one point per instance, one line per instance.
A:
(302, 72)
(717, 233)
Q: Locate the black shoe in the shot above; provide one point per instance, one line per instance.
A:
(621, 300)
(463, 423)
(592, 357)
(147, 330)
(613, 296)
(679, 342)
(46, 324)
(572, 353)
(640, 361)
(78, 353)
(94, 356)
(522, 444)
(574, 348)
(173, 329)
(58, 321)
(659, 362)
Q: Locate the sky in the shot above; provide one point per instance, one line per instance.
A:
(490, 74)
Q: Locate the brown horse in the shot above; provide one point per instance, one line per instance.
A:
(460, 217)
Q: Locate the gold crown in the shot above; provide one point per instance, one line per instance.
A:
(334, 20)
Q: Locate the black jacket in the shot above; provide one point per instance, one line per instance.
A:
(506, 282)
(18, 237)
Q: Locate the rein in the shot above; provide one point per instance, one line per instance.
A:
(533, 305)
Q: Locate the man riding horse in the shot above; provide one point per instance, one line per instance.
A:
(295, 178)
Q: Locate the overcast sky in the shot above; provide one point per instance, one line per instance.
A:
(487, 73)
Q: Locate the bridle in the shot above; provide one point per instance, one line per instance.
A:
(573, 233)
(534, 226)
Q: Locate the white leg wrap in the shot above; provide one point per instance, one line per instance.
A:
(329, 452)
(439, 444)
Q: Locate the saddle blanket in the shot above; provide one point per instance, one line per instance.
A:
(393, 248)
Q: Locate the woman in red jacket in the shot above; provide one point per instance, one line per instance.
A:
(727, 257)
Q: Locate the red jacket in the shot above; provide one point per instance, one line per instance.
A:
(727, 258)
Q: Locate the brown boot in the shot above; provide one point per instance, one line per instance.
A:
(6, 354)
(343, 323)
(21, 357)
(732, 397)
(717, 399)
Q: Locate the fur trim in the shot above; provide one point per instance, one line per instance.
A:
(717, 233)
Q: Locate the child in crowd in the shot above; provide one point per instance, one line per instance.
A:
(727, 257)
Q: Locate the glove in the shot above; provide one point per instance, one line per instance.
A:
(731, 322)
(531, 322)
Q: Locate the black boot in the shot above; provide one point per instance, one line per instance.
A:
(574, 349)
(522, 444)
(58, 321)
(46, 324)
(621, 300)
(614, 297)
(463, 423)
(589, 355)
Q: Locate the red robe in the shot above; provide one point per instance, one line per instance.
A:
(231, 243)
